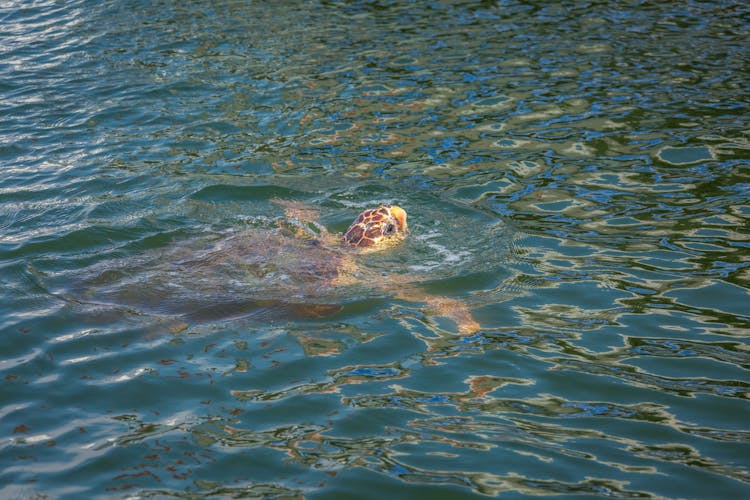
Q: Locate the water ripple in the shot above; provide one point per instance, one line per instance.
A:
(567, 315)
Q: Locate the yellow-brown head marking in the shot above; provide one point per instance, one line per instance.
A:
(377, 227)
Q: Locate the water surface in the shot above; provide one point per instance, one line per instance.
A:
(576, 175)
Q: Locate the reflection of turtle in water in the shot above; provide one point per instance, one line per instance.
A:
(297, 269)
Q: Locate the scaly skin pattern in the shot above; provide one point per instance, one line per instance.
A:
(380, 228)
(377, 227)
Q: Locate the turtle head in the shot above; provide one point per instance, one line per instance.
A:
(377, 228)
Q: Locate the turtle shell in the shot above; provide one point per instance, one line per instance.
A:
(255, 272)
(259, 271)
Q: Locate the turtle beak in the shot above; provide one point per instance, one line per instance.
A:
(400, 215)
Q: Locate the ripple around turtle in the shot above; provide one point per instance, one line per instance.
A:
(574, 173)
(262, 271)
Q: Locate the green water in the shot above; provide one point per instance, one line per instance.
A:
(576, 176)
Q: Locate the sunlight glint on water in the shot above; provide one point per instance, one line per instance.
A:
(568, 314)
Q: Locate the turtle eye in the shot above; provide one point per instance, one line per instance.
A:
(389, 229)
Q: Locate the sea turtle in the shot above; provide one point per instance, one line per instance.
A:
(293, 267)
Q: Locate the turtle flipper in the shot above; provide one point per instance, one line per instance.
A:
(455, 310)
(302, 218)
(446, 307)
(297, 210)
